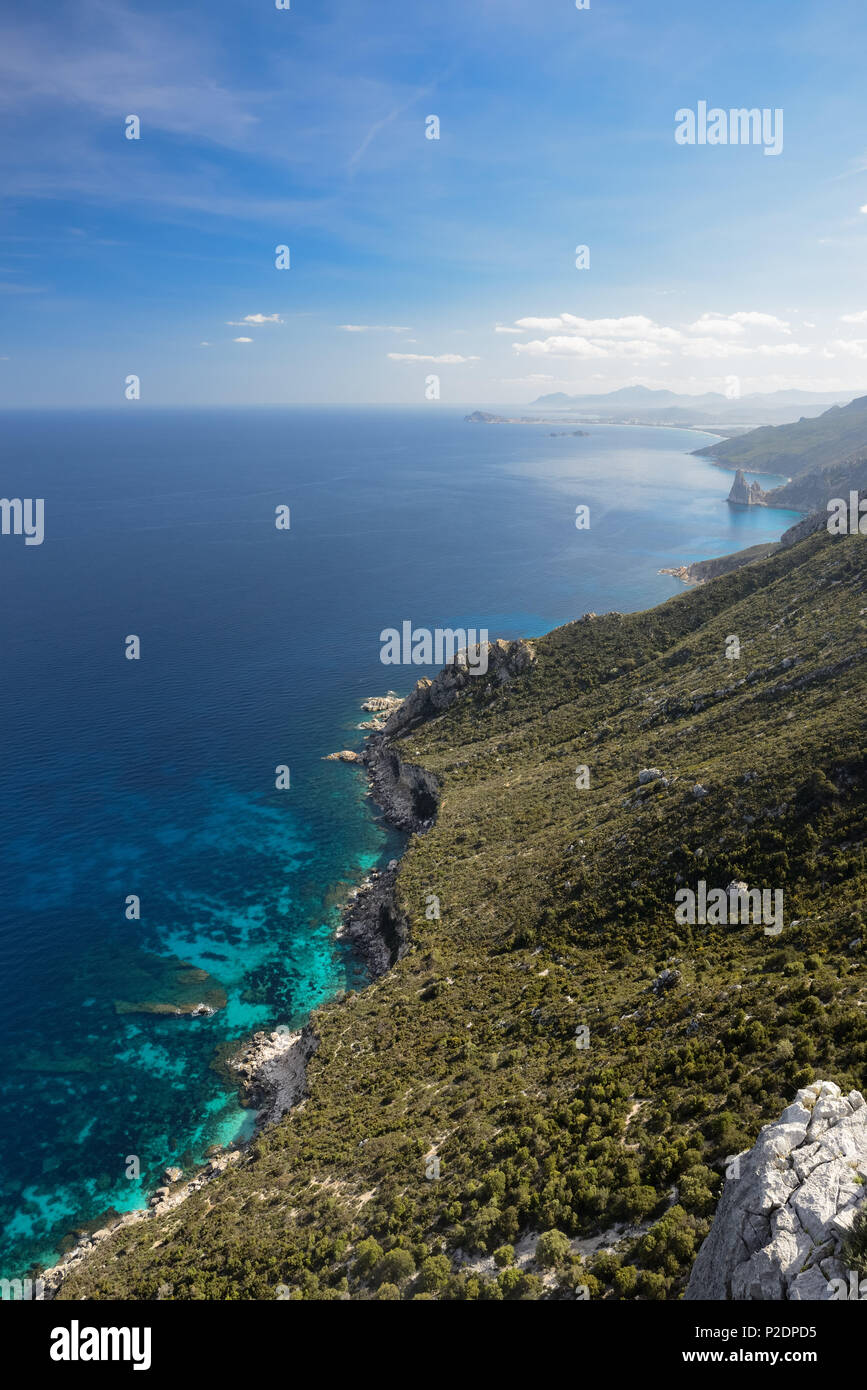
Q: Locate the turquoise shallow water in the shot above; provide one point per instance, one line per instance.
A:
(157, 777)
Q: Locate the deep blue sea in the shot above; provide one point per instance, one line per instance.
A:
(156, 777)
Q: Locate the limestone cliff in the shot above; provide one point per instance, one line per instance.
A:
(789, 1204)
(505, 660)
(409, 795)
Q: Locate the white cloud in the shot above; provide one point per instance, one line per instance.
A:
(734, 324)
(863, 209)
(446, 358)
(242, 340)
(860, 317)
(847, 347)
(254, 319)
(754, 320)
(716, 324)
(707, 348)
(635, 336)
(561, 346)
(782, 350)
(633, 326)
(373, 328)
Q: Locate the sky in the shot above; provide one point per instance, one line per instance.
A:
(710, 264)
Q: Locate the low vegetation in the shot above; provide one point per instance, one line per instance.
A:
(569, 1170)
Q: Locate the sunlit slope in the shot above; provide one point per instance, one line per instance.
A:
(557, 913)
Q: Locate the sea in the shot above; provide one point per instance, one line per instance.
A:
(171, 836)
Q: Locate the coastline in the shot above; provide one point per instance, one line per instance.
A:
(271, 1067)
(700, 571)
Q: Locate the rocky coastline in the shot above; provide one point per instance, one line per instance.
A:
(271, 1072)
(164, 1199)
(700, 571)
(271, 1067)
(409, 795)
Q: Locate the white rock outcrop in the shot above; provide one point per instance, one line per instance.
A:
(789, 1204)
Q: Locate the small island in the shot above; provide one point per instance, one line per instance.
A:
(483, 417)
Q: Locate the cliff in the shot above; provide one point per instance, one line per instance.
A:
(505, 661)
(700, 571)
(790, 1204)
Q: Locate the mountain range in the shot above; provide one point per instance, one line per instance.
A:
(661, 406)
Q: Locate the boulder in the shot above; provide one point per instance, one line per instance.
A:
(648, 774)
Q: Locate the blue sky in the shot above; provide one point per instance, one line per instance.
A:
(306, 127)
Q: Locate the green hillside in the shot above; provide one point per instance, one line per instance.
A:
(811, 491)
(808, 446)
(557, 913)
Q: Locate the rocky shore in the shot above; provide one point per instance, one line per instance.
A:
(700, 571)
(271, 1068)
(374, 924)
(409, 795)
(272, 1071)
(163, 1200)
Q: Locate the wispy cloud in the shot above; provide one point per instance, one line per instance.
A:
(373, 328)
(451, 359)
(113, 60)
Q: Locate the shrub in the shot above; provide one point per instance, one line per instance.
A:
(367, 1253)
(626, 1281)
(395, 1267)
(435, 1273)
(552, 1249)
